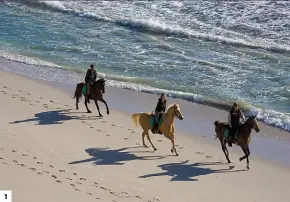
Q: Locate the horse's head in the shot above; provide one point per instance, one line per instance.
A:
(174, 110)
(253, 123)
(101, 84)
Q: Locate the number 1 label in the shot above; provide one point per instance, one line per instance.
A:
(5, 196)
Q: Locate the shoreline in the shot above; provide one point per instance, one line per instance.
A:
(271, 144)
(56, 75)
(52, 152)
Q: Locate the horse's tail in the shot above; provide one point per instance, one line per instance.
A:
(78, 91)
(216, 123)
(135, 119)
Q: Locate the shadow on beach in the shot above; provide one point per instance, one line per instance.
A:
(55, 117)
(104, 156)
(186, 172)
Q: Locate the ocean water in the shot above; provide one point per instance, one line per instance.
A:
(211, 52)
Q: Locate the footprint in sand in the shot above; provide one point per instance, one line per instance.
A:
(45, 172)
(14, 150)
(14, 161)
(5, 163)
(1, 158)
(62, 171)
(208, 157)
(139, 197)
(159, 140)
(40, 97)
(82, 178)
(79, 183)
(75, 174)
(114, 125)
(40, 173)
(58, 181)
(72, 185)
(108, 135)
(68, 178)
(54, 176)
(51, 101)
(20, 91)
(126, 138)
(37, 102)
(91, 127)
(24, 154)
(98, 198)
(39, 162)
(33, 169)
(199, 153)
(77, 189)
(51, 166)
(22, 165)
(89, 194)
(34, 157)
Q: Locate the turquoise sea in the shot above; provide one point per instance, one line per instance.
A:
(211, 52)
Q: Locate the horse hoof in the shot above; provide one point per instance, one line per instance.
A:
(100, 115)
(108, 112)
(177, 154)
(171, 150)
(229, 161)
(248, 167)
(145, 146)
(240, 159)
(155, 149)
(89, 112)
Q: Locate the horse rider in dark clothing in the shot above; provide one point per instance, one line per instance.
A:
(90, 78)
(159, 110)
(234, 121)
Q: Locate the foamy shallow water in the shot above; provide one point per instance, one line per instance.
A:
(206, 52)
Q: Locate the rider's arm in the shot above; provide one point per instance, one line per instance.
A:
(229, 119)
(87, 74)
(242, 115)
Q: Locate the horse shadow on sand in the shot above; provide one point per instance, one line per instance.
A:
(55, 117)
(105, 156)
(187, 172)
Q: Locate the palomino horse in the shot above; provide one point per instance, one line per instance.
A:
(243, 136)
(97, 90)
(166, 127)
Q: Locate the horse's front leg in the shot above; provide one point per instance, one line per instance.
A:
(246, 156)
(171, 138)
(103, 101)
(86, 104)
(96, 102)
(225, 150)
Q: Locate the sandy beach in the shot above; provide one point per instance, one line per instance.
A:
(52, 152)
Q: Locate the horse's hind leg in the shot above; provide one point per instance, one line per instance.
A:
(96, 102)
(103, 101)
(225, 150)
(77, 102)
(86, 104)
(143, 139)
(149, 139)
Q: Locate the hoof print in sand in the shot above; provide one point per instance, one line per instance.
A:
(45, 172)
(82, 178)
(72, 185)
(39, 162)
(62, 171)
(54, 176)
(34, 157)
(89, 194)
(40, 173)
(14, 161)
(68, 178)
(24, 154)
(75, 174)
(22, 165)
(58, 181)
(51, 166)
(77, 189)
(33, 169)
(79, 183)
(14, 150)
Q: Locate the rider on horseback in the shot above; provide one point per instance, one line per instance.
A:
(234, 121)
(90, 78)
(159, 110)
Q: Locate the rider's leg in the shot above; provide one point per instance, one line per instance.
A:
(232, 134)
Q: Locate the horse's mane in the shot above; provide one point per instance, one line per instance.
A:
(172, 105)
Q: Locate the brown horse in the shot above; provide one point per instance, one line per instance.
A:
(167, 125)
(97, 90)
(243, 136)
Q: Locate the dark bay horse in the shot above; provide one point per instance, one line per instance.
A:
(97, 90)
(242, 139)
